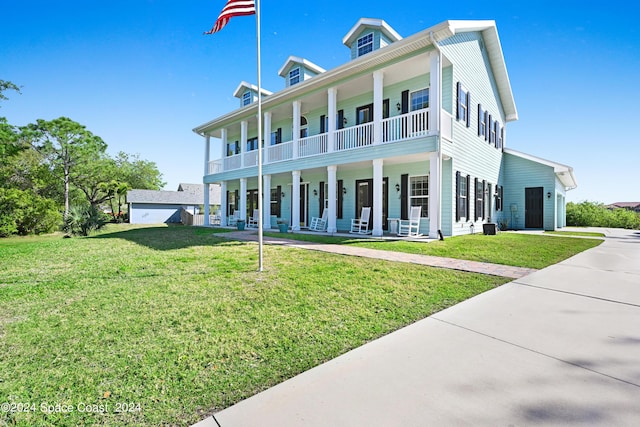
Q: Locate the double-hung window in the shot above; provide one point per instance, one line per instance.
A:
(246, 98)
(419, 99)
(464, 101)
(294, 76)
(419, 193)
(365, 44)
(479, 199)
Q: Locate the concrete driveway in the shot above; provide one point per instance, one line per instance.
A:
(558, 347)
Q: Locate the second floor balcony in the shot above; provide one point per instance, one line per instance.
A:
(400, 128)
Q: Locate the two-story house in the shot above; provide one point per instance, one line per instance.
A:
(415, 121)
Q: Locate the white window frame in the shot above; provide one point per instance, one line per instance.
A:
(294, 76)
(462, 196)
(364, 45)
(415, 92)
(424, 196)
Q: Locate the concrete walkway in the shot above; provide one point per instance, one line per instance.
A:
(433, 261)
(560, 346)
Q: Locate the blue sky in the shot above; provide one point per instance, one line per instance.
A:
(141, 75)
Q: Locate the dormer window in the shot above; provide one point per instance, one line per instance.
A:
(246, 98)
(365, 44)
(294, 76)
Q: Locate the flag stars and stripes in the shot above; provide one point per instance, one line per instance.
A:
(231, 9)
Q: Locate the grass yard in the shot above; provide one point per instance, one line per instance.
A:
(170, 324)
(576, 233)
(519, 250)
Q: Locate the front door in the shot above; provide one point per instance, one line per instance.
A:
(252, 202)
(364, 198)
(304, 205)
(533, 207)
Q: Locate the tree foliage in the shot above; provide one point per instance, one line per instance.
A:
(84, 220)
(64, 144)
(593, 214)
(23, 212)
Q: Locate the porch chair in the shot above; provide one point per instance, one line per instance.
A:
(361, 225)
(319, 224)
(232, 220)
(253, 221)
(411, 227)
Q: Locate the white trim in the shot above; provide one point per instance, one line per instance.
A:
(379, 24)
(563, 172)
(301, 61)
(244, 85)
(427, 88)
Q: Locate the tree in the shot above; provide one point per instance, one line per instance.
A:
(64, 144)
(7, 85)
(116, 191)
(138, 173)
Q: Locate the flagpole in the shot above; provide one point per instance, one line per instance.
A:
(260, 184)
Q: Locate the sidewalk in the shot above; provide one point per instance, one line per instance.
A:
(433, 261)
(560, 346)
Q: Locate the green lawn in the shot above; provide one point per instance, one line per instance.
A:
(176, 323)
(520, 250)
(576, 233)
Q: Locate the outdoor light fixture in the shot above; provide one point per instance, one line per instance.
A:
(282, 194)
(397, 187)
(344, 190)
(315, 192)
(399, 106)
(344, 121)
(548, 194)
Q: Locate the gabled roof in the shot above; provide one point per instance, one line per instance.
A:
(394, 51)
(244, 86)
(364, 23)
(292, 60)
(626, 205)
(492, 44)
(563, 172)
(187, 194)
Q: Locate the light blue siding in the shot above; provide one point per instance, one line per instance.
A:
(519, 174)
(144, 213)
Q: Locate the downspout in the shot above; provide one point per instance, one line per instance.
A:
(435, 45)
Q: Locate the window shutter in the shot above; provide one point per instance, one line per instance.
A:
(476, 210)
(458, 101)
(484, 199)
(340, 119)
(227, 208)
(385, 109)
(479, 120)
(340, 201)
(322, 123)
(457, 196)
(490, 128)
(405, 102)
(501, 198)
(468, 192)
(486, 125)
(321, 197)
(404, 196)
(235, 203)
(468, 109)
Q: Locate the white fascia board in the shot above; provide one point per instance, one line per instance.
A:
(563, 172)
(244, 85)
(386, 29)
(298, 60)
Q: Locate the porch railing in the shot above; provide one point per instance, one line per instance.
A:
(394, 129)
(354, 137)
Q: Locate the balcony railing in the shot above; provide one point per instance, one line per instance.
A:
(394, 129)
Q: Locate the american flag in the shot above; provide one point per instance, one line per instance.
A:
(231, 9)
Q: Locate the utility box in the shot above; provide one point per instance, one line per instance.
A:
(490, 229)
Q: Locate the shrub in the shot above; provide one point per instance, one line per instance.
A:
(23, 212)
(83, 220)
(592, 214)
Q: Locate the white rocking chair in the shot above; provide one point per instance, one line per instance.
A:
(361, 225)
(411, 227)
(253, 221)
(319, 223)
(232, 221)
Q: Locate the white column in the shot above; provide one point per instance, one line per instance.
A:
(378, 87)
(267, 138)
(244, 129)
(207, 155)
(224, 139)
(332, 198)
(435, 92)
(332, 105)
(266, 202)
(434, 193)
(243, 198)
(377, 197)
(223, 203)
(295, 201)
(206, 205)
(297, 105)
